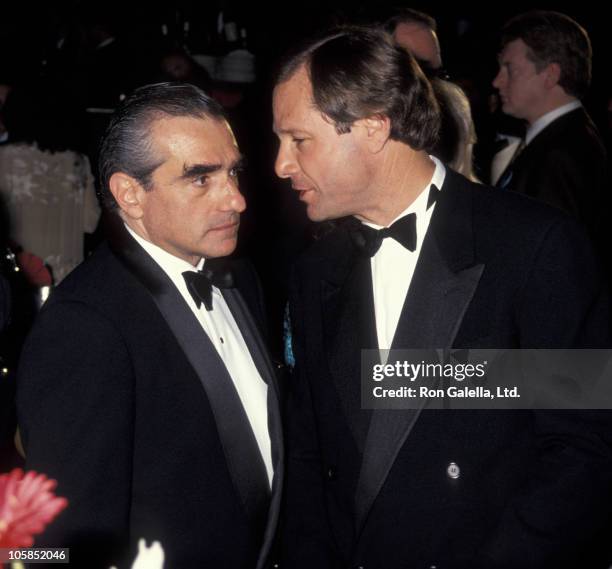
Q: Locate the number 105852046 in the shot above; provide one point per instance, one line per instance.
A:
(35, 555)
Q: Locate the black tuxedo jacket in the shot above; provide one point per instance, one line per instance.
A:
(118, 400)
(565, 165)
(378, 488)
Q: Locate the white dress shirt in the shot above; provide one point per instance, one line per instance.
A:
(225, 335)
(538, 126)
(393, 265)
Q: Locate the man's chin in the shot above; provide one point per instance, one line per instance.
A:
(318, 214)
(222, 249)
(315, 215)
(507, 109)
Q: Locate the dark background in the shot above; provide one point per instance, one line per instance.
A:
(47, 40)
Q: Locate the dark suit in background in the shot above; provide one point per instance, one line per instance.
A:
(566, 166)
(545, 66)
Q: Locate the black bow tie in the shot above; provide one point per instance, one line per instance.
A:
(434, 194)
(200, 283)
(368, 240)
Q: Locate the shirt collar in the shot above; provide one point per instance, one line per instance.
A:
(172, 266)
(538, 126)
(419, 205)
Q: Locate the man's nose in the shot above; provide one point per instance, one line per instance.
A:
(239, 203)
(285, 165)
(234, 200)
(497, 80)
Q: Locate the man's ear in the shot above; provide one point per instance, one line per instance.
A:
(553, 74)
(376, 131)
(129, 194)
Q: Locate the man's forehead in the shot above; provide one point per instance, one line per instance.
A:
(297, 86)
(292, 98)
(413, 28)
(187, 139)
(513, 49)
(168, 131)
(181, 123)
(416, 37)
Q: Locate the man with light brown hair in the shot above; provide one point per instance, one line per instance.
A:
(424, 259)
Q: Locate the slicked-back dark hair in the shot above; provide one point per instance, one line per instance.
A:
(552, 37)
(358, 72)
(127, 146)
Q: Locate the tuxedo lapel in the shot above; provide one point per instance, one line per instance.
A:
(244, 460)
(259, 353)
(349, 326)
(442, 287)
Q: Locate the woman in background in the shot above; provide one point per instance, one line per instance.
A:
(457, 132)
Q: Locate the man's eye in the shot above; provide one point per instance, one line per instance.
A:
(201, 180)
(234, 172)
(298, 141)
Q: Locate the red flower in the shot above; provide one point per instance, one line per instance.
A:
(27, 505)
(34, 269)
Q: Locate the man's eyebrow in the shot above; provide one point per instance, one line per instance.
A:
(291, 131)
(194, 170)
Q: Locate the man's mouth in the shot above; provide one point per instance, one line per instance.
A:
(303, 193)
(226, 226)
(302, 190)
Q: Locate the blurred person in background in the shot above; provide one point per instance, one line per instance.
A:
(455, 145)
(416, 32)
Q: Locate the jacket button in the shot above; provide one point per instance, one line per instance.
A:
(453, 471)
(331, 473)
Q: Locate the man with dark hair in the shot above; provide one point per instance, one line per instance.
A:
(428, 260)
(544, 72)
(416, 32)
(145, 388)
